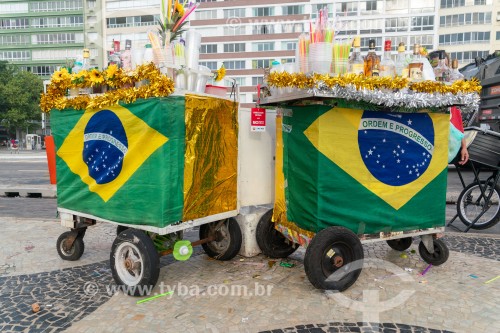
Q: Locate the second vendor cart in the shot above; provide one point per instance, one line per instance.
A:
(357, 162)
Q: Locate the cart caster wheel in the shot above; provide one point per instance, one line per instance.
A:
(76, 250)
(439, 256)
(134, 262)
(400, 244)
(334, 259)
(227, 241)
(271, 242)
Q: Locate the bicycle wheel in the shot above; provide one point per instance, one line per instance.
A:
(471, 203)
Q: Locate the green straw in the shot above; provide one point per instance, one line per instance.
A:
(153, 297)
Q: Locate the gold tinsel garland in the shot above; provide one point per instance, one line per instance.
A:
(303, 81)
(55, 97)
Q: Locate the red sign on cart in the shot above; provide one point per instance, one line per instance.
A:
(258, 120)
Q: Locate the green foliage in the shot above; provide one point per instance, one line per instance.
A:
(19, 98)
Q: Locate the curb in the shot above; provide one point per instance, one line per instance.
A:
(31, 191)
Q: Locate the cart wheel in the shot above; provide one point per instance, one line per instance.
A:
(134, 262)
(272, 242)
(400, 244)
(469, 206)
(227, 241)
(75, 252)
(334, 259)
(439, 256)
(120, 228)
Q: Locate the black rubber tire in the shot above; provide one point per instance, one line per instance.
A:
(271, 242)
(76, 250)
(465, 200)
(400, 244)
(440, 255)
(120, 228)
(329, 245)
(228, 239)
(135, 243)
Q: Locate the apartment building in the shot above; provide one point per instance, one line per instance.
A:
(39, 36)
(248, 36)
(469, 28)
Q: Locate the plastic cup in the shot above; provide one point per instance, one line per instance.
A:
(320, 57)
(340, 66)
(193, 43)
(202, 79)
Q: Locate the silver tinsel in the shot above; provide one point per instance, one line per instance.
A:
(405, 98)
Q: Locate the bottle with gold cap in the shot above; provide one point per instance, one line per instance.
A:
(372, 60)
(416, 66)
(402, 61)
(455, 75)
(356, 63)
(86, 59)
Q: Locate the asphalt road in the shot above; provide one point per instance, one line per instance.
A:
(34, 171)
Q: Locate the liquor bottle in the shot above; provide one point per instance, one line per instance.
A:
(114, 56)
(416, 66)
(387, 65)
(455, 75)
(402, 61)
(126, 56)
(442, 71)
(356, 63)
(371, 59)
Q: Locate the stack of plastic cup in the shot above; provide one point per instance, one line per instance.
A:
(320, 57)
(193, 43)
(290, 68)
(301, 62)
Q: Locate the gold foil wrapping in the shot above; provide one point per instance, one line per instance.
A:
(279, 211)
(211, 157)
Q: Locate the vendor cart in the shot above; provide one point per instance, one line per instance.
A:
(153, 167)
(354, 165)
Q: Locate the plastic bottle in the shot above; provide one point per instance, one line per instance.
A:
(402, 61)
(387, 65)
(356, 63)
(77, 66)
(148, 54)
(276, 67)
(126, 56)
(455, 75)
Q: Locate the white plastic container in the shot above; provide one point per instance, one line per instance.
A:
(148, 54)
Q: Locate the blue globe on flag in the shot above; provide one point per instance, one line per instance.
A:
(105, 146)
(396, 148)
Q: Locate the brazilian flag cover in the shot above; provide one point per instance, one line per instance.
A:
(153, 162)
(368, 171)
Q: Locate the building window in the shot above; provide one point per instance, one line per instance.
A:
(424, 40)
(208, 48)
(263, 11)
(14, 8)
(261, 63)
(15, 55)
(19, 23)
(257, 80)
(212, 65)
(452, 3)
(57, 38)
(234, 12)
(371, 5)
(205, 14)
(293, 10)
(468, 56)
(51, 22)
(421, 23)
(236, 64)
(498, 35)
(126, 4)
(371, 26)
(132, 21)
(479, 2)
(317, 7)
(292, 27)
(265, 46)
(365, 41)
(347, 8)
(464, 38)
(235, 30)
(14, 39)
(264, 29)
(235, 47)
(396, 24)
(56, 6)
(288, 46)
